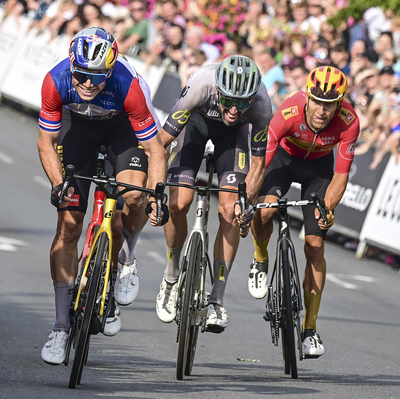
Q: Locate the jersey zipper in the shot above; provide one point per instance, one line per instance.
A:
(311, 146)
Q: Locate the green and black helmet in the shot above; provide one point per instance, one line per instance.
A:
(238, 77)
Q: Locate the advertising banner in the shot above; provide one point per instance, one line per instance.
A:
(382, 224)
(37, 56)
(352, 209)
(11, 36)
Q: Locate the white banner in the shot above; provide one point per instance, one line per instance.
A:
(37, 56)
(11, 36)
(382, 223)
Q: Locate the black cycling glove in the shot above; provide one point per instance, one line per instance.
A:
(55, 191)
(250, 211)
(164, 209)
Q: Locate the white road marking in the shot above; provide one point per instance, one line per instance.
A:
(339, 279)
(10, 244)
(43, 181)
(5, 158)
(156, 256)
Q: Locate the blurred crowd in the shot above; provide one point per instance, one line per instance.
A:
(285, 38)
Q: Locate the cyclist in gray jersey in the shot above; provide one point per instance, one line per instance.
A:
(228, 104)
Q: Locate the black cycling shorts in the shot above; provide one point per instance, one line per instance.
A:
(79, 141)
(231, 151)
(313, 175)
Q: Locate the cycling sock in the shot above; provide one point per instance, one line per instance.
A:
(63, 297)
(221, 273)
(311, 304)
(171, 273)
(261, 253)
(127, 254)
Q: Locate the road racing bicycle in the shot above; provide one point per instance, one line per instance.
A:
(284, 299)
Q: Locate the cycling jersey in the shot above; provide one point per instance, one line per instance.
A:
(123, 92)
(289, 129)
(200, 95)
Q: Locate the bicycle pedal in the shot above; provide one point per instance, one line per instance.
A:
(214, 329)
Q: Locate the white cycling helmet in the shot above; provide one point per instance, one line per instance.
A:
(93, 48)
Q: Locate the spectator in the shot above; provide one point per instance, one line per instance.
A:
(300, 17)
(388, 58)
(274, 71)
(137, 33)
(173, 51)
(171, 15)
(340, 57)
(377, 21)
(316, 15)
(330, 33)
(194, 39)
(358, 57)
(90, 14)
(261, 57)
(194, 59)
(107, 7)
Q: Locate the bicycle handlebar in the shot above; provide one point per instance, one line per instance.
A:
(104, 181)
(319, 203)
(69, 175)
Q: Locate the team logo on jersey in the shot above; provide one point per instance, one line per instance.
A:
(289, 112)
(185, 91)
(303, 127)
(295, 134)
(182, 116)
(350, 150)
(242, 160)
(261, 136)
(347, 116)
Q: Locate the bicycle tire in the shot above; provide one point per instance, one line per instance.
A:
(287, 322)
(82, 339)
(199, 278)
(187, 337)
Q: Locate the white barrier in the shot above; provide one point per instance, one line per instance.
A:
(27, 57)
(381, 226)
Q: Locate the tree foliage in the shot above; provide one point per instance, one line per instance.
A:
(357, 8)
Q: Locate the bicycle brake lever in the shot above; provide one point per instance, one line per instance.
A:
(320, 204)
(242, 200)
(159, 191)
(69, 174)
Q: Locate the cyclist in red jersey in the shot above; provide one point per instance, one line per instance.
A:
(301, 138)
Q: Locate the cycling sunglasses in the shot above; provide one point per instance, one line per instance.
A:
(95, 78)
(228, 103)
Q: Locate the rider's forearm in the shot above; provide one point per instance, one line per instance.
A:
(335, 190)
(47, 147)
(254, 178)
(157, 165)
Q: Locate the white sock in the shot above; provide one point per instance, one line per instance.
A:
(171, 273)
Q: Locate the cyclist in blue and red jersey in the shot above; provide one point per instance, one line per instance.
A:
(301, 138)
(92, 98)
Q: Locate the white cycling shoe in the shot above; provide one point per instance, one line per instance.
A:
(54, 349)
(258, 279)
(312, 344)
(166, 301)
(127, 283)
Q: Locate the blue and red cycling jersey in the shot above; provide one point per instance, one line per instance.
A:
(124, 91)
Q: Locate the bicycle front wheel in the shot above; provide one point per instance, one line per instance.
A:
(188, 330)
(287, 321)
(88, 309)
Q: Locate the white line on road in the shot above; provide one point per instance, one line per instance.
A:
(340, 279)
(43, 181)
(156, 256)
(10, 244)
(5, 158)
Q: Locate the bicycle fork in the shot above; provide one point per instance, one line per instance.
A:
(105, 227)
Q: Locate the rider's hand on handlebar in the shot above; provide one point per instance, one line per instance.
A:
(151, 212)
(248, 214)
(330, 219)
(55, 196)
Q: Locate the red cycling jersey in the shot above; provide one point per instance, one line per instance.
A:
(289, 129)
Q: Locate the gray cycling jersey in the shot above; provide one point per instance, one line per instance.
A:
(200, 95)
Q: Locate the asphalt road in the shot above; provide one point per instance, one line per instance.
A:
(358, 320)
